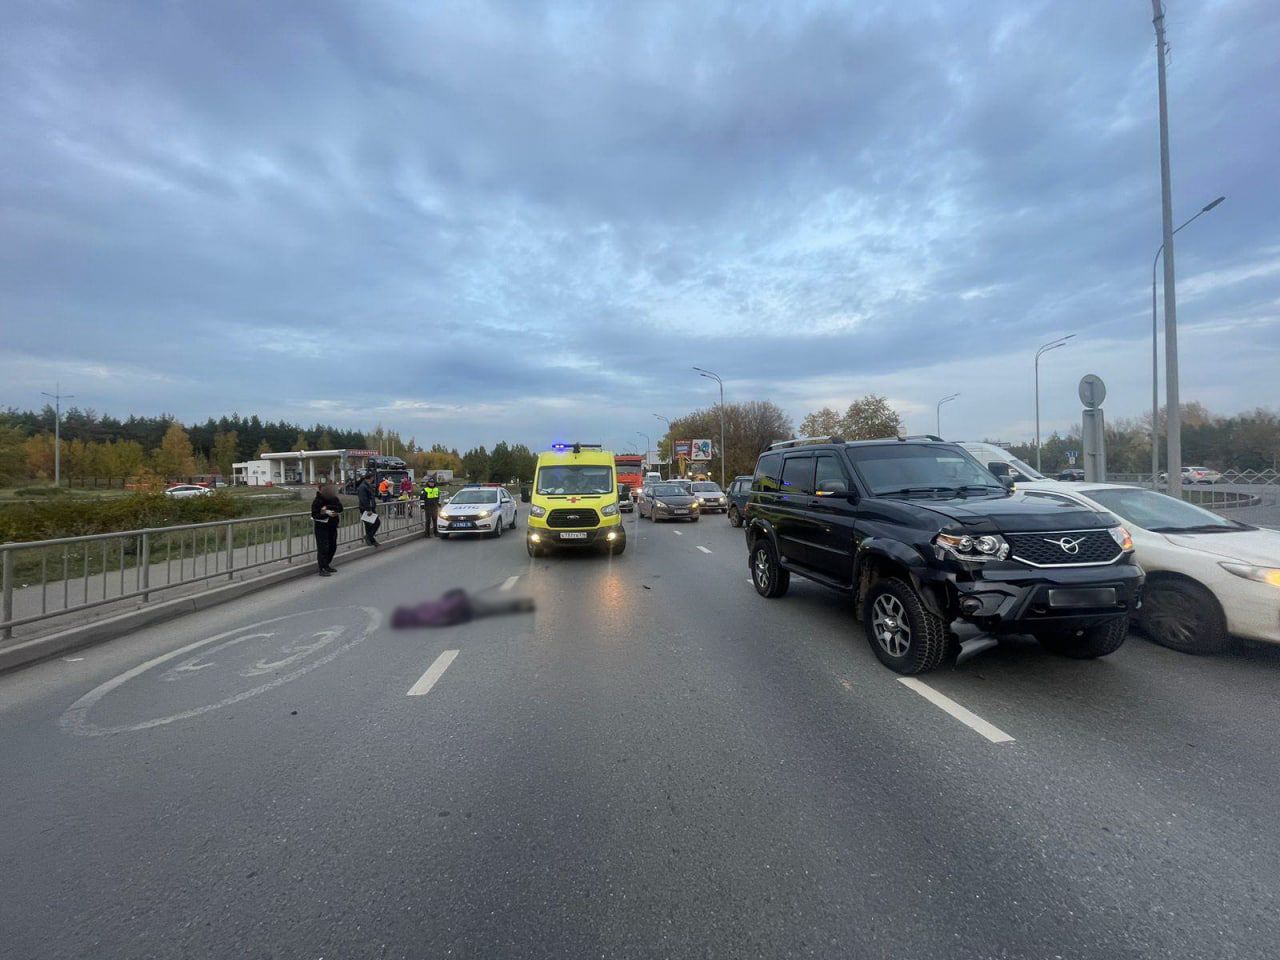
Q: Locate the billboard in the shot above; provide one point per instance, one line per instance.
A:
(701, 450)
(682, 448)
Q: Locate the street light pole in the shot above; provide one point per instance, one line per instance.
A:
(940, 403)
(57, 397)
(1044, 348)
(1174, 410)
(672, 461)
(711, 376)
(1155, 353)
(647, 445)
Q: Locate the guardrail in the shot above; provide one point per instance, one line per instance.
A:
(44, 579)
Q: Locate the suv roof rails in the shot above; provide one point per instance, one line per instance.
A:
(798, 441)
(921, 436)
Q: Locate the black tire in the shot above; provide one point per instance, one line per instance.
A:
(533, 551)
(905, 636)
(1183, 616)
(735, 518)
(766, 573)
(616, 548)
(694, 519)
(1089, 643)
(443, 536)
(497, 529)
(515, 521)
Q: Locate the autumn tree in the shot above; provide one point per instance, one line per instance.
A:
(224, 451)
(174, 457)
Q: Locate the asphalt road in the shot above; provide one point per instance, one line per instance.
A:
(658, 763)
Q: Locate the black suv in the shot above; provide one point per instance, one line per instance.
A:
(923, 535)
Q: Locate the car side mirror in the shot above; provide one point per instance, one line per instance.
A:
(1007, 482)
(827, 487)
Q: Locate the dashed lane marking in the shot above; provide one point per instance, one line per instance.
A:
(703, 549)
(964, 715)
(434, 673)
(508, 583)
(677, 533)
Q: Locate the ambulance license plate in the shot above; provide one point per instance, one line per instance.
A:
(573, 536)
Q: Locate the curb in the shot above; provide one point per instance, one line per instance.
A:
(108, 628)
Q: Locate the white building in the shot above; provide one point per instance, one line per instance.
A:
(301, 466)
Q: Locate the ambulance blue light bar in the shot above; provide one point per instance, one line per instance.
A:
(575, 447)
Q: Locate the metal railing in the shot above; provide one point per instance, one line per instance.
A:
(44, 579)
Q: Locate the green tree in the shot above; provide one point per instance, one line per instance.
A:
(264, 447)
(475, 464)
(820, 423)
(13, 457)
(870, 418)
(502, 464)
(224, 451)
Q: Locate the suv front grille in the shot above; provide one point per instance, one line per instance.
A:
(581, 517)
(1071, 548)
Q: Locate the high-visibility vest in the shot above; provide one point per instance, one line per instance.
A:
(431, 493)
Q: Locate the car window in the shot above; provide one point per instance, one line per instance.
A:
(828, 470)
(797, 475)
(475, 496)
(891, 469)
(1161, 512)
(768, 473)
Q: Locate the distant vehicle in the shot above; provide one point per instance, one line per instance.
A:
(668, 501)
(625, 503)
(652, 477)
(1001, 462)
(182, 491)
(1208, 577)
(686, 484)
(1071, 474)
(485, 508)
(629, 468)
(711, 499)
(575, 501)
(739, 490)
(1195, 475)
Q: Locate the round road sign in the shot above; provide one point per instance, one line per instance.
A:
(1092, 391)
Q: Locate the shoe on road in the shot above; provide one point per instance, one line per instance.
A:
(325, 573)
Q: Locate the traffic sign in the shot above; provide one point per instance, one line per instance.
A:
(1092, 391)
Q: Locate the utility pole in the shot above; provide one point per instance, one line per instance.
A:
(1174, 410)
(1043, 349)
(939, 410)
(57, 397)
(711, 376)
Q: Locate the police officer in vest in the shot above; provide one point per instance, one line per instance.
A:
(431, 505)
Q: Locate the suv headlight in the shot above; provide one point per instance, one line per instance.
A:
(537, 511)
(980, 549)
(1121, 536)
(609, 510)
(1269, 575)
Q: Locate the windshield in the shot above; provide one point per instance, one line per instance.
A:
(668, 490)
(905, 469)
(1161, 513)
(989, 452)
(475, 496)
(706, 488)
(575, 478)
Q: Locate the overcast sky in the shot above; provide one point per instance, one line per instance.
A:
(526, 221)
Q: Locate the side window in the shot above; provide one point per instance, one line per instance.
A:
(797, 476)
(829, 479)
(768, 473)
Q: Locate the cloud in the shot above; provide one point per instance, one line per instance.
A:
(521, 219)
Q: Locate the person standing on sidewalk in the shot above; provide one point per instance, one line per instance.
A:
(326, 510)
(369, 504)
(431, 506)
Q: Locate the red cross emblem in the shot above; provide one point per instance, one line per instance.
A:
(573, 499)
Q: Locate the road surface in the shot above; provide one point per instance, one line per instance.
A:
(658, 763)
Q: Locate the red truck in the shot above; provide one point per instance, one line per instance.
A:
(630, 470)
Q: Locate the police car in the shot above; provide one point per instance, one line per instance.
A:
(478, 508)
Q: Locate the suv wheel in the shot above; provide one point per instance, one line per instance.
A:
(766, 573)
(1089, 644)
(735, 518)
(1183, 617)
(904, 635)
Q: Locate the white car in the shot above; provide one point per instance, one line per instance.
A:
(480, 508)
(710, 497)
(184, 490)
(1208, 577)
(1196, 475)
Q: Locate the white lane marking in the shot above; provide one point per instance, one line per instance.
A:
(75, 719)
(72, 659)
(703, 549)
(947, 705)
(508, 583)
(434, 673)
(677, 533)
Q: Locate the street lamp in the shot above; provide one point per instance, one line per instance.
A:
(1155, 354)
(711, 376)
(1044, 348)
(673, 443)
(57, 397)
(647, 445)
(940, 403)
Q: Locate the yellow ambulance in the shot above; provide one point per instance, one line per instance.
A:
(574, 501)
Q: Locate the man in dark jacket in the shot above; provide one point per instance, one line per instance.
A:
(431, 506)
(367, 493)
(326, 510)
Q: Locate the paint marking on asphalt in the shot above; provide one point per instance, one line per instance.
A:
(434, 673)
(677, 533)
(72, 659)
(965, 716)
(508, 583)
(703, 549)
